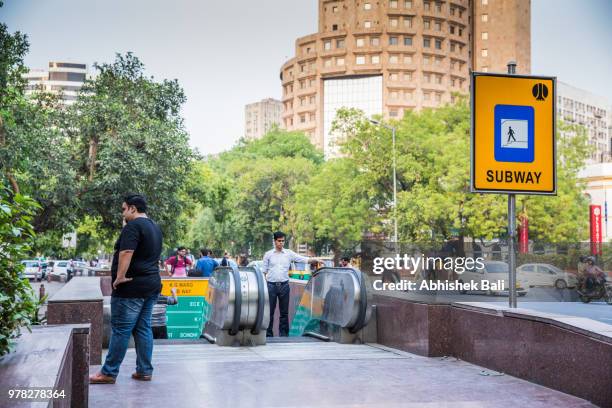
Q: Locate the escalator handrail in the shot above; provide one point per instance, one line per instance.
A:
(363, 299)
(237, 302)
(260, 302)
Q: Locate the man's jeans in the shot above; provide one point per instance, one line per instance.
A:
(280, 290)
(130, 316)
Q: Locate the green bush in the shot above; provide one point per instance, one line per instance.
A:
(18, 303)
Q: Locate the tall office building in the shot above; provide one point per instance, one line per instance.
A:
(389, 56)
(65, 78)
(584, 108)
(259, 117)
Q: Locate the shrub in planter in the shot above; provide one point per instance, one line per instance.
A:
(18, 302)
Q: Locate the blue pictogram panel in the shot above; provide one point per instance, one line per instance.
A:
(514, 138)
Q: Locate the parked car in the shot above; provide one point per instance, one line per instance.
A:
(541, 274)
(33, 269)
(61, 268)
(494, 271)
(79, 267)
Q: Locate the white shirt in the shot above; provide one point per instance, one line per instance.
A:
(276, 264)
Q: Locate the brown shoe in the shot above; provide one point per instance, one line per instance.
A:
(99, 378)
(141, 377)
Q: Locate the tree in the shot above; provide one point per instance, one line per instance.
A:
(130, 138)
(17, 301)
(333, 208)
(434, 201)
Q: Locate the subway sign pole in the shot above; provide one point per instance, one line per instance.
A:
(513, 142)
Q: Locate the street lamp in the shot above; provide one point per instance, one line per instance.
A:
(377, 123)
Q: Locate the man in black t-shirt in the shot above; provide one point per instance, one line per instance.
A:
(136, 286)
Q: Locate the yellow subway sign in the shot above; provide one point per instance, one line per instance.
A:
(185, 286)
(513, 134)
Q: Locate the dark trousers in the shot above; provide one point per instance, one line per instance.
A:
(279, 290)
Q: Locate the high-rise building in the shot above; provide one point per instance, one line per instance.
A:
(581, 107)
(389, 56)
(65, 78)
(259, 117)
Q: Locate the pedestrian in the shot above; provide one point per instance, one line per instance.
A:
(136, 286)
(225, 260)
(276, 263)
(159, 319)
(190, 257)
(243, 260)
(178, 263)
(206, 264)
(345, 262)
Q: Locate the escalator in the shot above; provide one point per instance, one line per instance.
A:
(334, 306)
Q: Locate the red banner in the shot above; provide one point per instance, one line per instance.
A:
(523, 243)
(596, 233)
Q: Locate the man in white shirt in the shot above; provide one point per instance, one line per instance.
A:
(276, 264)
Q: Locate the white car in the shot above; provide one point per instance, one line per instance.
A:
(32, 269)
(541, 274)
(494, 271)
(61, 267)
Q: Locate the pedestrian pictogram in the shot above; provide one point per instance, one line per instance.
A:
(513, 142)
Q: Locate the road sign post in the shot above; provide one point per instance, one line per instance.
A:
(513, 142)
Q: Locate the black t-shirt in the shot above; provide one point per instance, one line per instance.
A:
(144, 237)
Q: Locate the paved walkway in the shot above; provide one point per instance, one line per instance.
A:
(316, 374)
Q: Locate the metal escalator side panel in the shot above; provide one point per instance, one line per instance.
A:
(222, 297)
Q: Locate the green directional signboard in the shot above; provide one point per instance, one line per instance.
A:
(186, 319)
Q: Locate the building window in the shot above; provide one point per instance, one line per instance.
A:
(393, 59)
(408, 4)
(426, 42)
(438, 44)
(328, 63)
(367, 24)
(360, 60)
(438, 61)
(485, 35)
(407, 76)
(425, 59)
(367, 6)
(335, 27)
(375, 41)
(426, 96)
(438, 97)
(426, 24)
(426, 5)
(340, 62)
(302, 118)
(452, 11)
(407, 59)
(393, 94)
(438, 79)
(452, 29)
(438, 26)
(439, 7)
(360, 42)
(427, 77)
(408, 95)
(485, 69)
(393, 76)
(327, 45)
(484, 52)
(340, 43)
(393, 3)
(407, 41)
(460, 32)
(335, 9)
(453, 47)
(393, 22)
(484, 2)
(392, 40)
(484, 18)
(375, 59)
(408, 22)
(393, 113)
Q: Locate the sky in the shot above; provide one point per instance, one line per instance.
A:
(226, 54)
